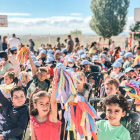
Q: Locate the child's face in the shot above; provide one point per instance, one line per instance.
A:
(42, 76)
(87, 67)
(57, 56)
(103, 59)
(114, 114)
(110, 89)
(18, 98)
(82, 79)
(130, 74)
(7, 80)
(117, 70)
(43, 105)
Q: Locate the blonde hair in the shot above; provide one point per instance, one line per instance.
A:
(80, 73)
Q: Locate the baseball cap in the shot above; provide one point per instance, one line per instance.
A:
(85, 62)
(128, 54)
(121, 53)
(95, 57)
(117, 65)
(44, 51)
(49, 59)
(58, 51)
(50, 52)
(129, 69)
(120, 60)
(37, 63)
(71, 60)
(64, 50)
(80, 52)
(103, 55)
(84, 56)
(13, 48)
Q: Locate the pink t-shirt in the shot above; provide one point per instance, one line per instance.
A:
(46, 130)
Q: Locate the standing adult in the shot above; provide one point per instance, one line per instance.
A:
(4, 43)
(12, 58)
(31, 46)
(14, 42)
(126, 43)
(70, 45)
(58, 44)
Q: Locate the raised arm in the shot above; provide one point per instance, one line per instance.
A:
(53, 113)
(34, 69)
(3, 100)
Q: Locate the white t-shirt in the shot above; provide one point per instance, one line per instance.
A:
(14, 42)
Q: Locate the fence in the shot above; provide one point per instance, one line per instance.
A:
(51, 39)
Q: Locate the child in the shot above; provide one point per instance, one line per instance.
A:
(116, 71)
(44, 123)
(15, 115)
(115, 107)
(129, 75)
(83, 88)
(111, 86)
(38, 79)
(9, 78)
(129, 60)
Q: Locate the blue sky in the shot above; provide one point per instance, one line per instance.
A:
(52, 16)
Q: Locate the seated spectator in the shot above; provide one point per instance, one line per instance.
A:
(129, 75)
(15, 115)
(6, 66)
(115, 107)
(129, 60)
(83, 88)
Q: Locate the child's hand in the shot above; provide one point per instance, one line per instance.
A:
(1, 137)
(54, 85)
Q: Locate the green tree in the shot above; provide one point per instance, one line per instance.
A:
(135, 28)
(76, 32)
(109, 16)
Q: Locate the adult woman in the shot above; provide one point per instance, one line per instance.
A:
(32, 44)
(6, 66)
(14, 61)
(4, 43)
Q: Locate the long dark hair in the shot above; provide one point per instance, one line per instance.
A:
(3, 39)
(33, 99)
(32, 42)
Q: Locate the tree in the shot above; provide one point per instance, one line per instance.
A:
(76, 32)
(136, 28)
(109, 16)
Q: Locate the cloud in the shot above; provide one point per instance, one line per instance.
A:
(52, 25)
(75, 14)
(130, 21)
(15, 14)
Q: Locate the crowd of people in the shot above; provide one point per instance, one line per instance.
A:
(28, 92)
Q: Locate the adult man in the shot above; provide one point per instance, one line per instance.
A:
(58, 44)
(70, 44)
(14, 42)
